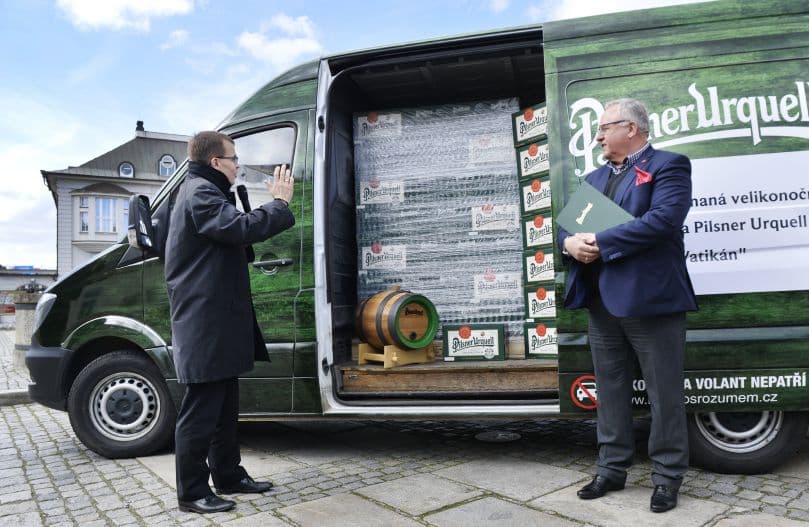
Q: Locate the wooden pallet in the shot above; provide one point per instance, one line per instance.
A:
(452, 377)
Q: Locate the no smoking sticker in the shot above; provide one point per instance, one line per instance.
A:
(583, 392)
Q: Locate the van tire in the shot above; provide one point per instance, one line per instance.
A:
(120, 406)
(745, 442)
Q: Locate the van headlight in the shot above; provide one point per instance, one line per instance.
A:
(43, 308)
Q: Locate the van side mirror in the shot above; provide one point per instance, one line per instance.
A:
(140, 231)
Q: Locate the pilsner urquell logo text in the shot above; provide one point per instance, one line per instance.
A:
(753, 116)
(472, 342)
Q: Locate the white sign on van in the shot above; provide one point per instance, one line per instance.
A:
(388, 257)
(748, 227)
(376, 124)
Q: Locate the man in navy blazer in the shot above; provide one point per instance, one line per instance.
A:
(633, 280)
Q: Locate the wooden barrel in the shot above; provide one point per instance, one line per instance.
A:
(398, 318)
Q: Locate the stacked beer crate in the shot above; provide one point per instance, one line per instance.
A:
(438, 211)
(530, 128)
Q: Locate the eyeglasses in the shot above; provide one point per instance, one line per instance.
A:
(606, 126)
(235, 159)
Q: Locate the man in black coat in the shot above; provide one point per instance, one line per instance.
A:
(214, 334)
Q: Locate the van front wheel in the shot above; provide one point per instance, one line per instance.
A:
(119, 406)
(745, 442)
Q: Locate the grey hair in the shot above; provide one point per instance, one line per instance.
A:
(632, 110)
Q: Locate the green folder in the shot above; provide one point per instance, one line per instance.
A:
(588, 210)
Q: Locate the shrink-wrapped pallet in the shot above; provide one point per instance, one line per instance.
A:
(438, 209)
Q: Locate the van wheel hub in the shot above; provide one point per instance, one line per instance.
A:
(124, 406)
(739, 432)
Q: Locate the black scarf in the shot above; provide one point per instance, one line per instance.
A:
(221, 182)
(216, 177)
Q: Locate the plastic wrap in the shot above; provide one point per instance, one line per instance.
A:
(438, 209)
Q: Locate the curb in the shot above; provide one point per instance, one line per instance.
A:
(9, 397)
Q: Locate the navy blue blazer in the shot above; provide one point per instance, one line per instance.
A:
(642, 262)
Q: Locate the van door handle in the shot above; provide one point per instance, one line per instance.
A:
(271, 266)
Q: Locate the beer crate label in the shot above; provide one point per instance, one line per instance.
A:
(533, 160)
(387, 257)
(378, 125)
(535, 194)
(530, 124)
(474, 342)
(489, 148)
(374, 192)
(495, 218)
(538, 230)
(539, 265)
(541, 340)
(491, 285)
(540, 300)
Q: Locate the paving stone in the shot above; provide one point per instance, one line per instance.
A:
(419, 494)
(749, 495)
(628, 508)
(757, 520)
(263, 519)
(495, 512)
(28, 519)
(775, 500)
(521, 481)
(347, 510)
(15, 496)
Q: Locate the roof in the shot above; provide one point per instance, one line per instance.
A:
(144, 152)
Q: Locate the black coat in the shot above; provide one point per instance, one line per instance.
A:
(212, 318)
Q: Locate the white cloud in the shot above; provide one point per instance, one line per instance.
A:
(38, 133)
(499, 6)
(121, 14)
(283, 41)
(580, 8)
(177, 38)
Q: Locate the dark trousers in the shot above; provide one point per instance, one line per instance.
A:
(207, 428)
(658, 342)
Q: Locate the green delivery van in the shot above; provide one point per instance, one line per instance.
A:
(726, 83)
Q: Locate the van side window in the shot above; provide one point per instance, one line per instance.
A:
(259, 154)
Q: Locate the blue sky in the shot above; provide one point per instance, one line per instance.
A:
(77, 74)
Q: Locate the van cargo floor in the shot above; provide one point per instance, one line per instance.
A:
(535, 377)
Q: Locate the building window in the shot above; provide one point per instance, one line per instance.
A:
(126, 169)
(84, 202)
(105, 215)
(125, 215)
(84, 225)
(166, 166)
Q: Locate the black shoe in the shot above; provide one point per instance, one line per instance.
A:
(212, 503)
(246, 485)
(598, 487)
(663, 498)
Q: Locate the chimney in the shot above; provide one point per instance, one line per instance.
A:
(139, 126)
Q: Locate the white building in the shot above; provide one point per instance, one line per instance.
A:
(92, 200)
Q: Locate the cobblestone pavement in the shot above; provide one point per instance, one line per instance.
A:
(380, 473)
(376, 474)
(10, 378)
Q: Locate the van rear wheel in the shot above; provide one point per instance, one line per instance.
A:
(119, 406)
(745, 442)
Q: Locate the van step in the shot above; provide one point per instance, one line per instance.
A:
(500, 377)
